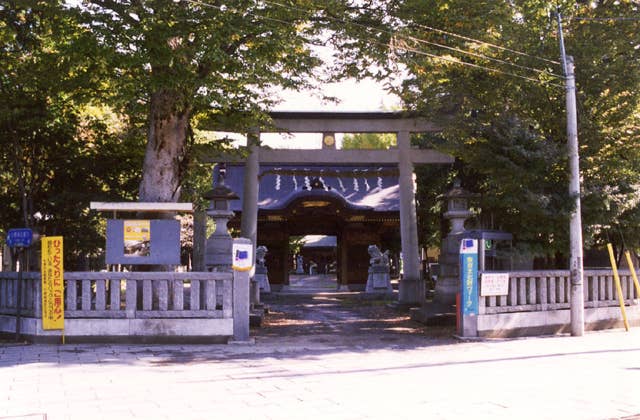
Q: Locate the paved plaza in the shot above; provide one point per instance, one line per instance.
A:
(329, 356)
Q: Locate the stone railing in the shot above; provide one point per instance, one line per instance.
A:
(550, 290)
(126, 295)
(133, 304)
(538, 302)
(30, 290)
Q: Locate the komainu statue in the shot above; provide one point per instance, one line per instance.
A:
(378, 258)
(261, 269)
(379, 280)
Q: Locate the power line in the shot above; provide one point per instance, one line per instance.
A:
(478, 66)
(497, 60)
(478, 55)
(604, 19)
(430, 28)
(413, 50)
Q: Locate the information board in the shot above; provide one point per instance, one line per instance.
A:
(140, 242)
(494, 284)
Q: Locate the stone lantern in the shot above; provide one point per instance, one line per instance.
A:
(457, 207)
(448, 281)
(217, 255)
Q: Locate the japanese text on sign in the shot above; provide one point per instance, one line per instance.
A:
(494, 284)
(468, 276)
(19, 238)
(52, 283)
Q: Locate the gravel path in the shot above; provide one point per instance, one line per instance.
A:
(344, 319)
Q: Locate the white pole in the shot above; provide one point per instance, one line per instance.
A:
(575, 228)
(575, 223)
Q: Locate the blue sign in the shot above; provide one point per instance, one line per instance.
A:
(19, 238)
(469, 276)
(242, 255)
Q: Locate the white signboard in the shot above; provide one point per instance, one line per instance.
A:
(242, 256)
(494, 284)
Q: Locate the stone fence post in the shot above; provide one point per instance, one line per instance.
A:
(241, 298)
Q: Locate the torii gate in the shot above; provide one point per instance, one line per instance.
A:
(411, 289)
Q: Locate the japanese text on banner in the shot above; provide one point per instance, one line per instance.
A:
(52, 283)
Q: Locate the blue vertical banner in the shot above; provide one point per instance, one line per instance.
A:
(469, 276)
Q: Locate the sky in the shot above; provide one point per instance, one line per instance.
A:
(366, 95)
(353, 95)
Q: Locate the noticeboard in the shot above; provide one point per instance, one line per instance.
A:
(142, 242)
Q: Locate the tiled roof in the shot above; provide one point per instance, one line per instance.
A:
(366, 187)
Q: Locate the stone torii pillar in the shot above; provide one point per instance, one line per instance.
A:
(411, 287)
(402, 123)
(249, 220)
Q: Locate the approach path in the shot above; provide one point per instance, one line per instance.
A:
(329, 357)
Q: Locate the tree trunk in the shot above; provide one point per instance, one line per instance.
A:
(166, 140)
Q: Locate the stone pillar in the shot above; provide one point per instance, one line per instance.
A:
(249, 221)
(342, 268)
(199, 240)
(7, 263)
(241, 302)
(411, 287)
(286, 258)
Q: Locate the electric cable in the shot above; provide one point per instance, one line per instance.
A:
(478, 66)
(420, 40)
(430, 28)
(456, 61)
(604, 19)
(497, 60)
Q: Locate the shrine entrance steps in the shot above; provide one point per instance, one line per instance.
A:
(321, 283)
(309, 284)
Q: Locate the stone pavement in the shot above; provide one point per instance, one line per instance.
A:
(397, 372)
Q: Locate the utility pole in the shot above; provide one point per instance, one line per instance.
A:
(575, 223)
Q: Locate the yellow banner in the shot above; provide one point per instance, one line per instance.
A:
(52, 283)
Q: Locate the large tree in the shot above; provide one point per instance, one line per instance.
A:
(57, 152)
(188, 61)
(490, 74)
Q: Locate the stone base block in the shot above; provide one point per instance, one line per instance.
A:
(263, 282)
(379, 282)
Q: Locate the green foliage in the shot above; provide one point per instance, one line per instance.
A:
(369, 141)
(213, 59)
(60, 146)
(190, 64)
(508, 133)
(56, 154)
(295, 244)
